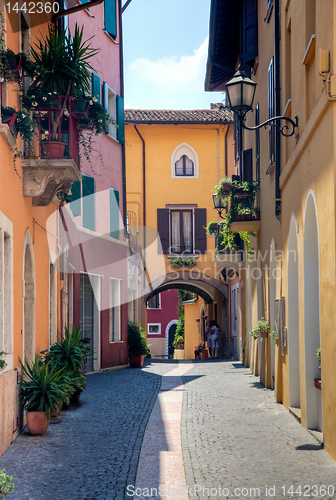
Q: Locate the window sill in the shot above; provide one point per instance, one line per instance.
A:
(112, 138)
(185, 177)
(310, 50)
(154, 308)
(116, 342)
(110, 37)
(182, 256)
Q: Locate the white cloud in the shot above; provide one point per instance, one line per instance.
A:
(175, 82)
(182, 73)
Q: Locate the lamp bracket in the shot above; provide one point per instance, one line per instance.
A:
(270, 122)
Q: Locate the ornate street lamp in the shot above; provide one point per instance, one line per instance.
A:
(219, 205)
(240, 92)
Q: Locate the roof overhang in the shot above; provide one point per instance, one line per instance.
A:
(223, 43)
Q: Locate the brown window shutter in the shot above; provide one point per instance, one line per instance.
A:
(200, 233)
(247, 165)
(163, 229)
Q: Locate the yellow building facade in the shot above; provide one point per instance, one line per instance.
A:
(291, 280)
(173, 161)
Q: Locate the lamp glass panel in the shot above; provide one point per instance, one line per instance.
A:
(248, 95)
(234, 92)
(218, 202)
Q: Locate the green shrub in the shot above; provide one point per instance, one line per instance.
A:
(6, 484)
(136, 339)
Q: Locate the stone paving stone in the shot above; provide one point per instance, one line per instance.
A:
(92, 454)
(235, 436)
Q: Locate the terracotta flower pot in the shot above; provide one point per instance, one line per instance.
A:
(136, 361)
(204, 354)
(226, 187)
(37, 422)
(53, 149)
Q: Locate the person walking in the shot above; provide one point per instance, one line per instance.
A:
(209, 338)
(215, 340)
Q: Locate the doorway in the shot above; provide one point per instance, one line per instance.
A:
(86, 316)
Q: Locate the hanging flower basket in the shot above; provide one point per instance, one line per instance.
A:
(225, 188)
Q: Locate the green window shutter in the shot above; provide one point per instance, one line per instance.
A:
(89, 213)
(105, 103)
(120, 119)
(76, 198)
(110, 17)
(95, 86)
(114, 213)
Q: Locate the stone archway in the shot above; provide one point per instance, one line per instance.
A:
(28, 276)
(194, 281)
(311, 275)
(293, 316)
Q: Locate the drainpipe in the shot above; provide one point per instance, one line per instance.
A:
(73, 10)
(218, 156)
(277, 106)
(121, 69)
(226, 149)
(143, 199)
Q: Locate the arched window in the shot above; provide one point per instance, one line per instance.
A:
(184, 167)
(184, 162)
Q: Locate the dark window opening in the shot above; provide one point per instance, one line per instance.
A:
(184, 167)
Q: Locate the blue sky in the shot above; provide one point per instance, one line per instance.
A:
(165, 52)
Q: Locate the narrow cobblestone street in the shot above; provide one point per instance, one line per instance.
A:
(235, 440)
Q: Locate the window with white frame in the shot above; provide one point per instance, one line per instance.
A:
(115, 298)
(154, 302)
(110, 104)
(184, 162)
(6, 288)
(153, 328)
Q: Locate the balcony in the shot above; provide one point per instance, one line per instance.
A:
(230, 257)
(50, 161)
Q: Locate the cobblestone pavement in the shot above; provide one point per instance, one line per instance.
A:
(235, 436)
(94, 452)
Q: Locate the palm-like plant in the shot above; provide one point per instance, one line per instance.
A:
(68, 352)
(60, 66)
(42, 388)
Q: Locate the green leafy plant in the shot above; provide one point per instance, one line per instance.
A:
(255, 333)
(178, 341)
(41, 387)
(183, 261)
(219, 188)
(273, 336)
(263, 325)
(68, 352)
(136, 339)
(6, 484)
(239, 200)
(318, 355)
(3, 363)
(212, 228)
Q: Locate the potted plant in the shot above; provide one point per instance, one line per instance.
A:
(11, 64)
(68, 354)
(256, 211)
(136, 344)
(6, 484)
(263, 326)
(178, 342)
(41, 389)
(183, 262)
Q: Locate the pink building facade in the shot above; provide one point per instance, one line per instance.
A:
(161, 323)
(94, 294)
